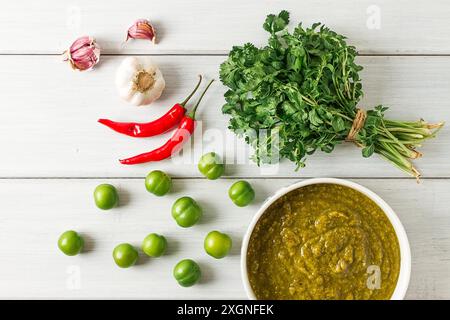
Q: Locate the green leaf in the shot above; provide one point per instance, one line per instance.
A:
(274, 24)
(284, 15)
(227, 108)
(314, 118)
(368, 151)
(338, 124)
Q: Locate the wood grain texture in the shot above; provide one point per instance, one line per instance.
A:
(48, 119)
(406, 27)
(33, 267)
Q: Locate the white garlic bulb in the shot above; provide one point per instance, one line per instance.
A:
(139, 81)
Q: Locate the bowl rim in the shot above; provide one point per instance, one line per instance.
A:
(405, 251)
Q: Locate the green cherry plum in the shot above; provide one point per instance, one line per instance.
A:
(154, 245)
(187, 272)
(241, 193)
(106, 196)
(125, 255)
(70, 243)
(217, 244)
(186, 212)
(211, 166)
(158, 182)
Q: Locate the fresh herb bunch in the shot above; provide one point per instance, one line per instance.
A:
(302, 92)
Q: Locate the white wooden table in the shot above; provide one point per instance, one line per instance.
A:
(53, 153)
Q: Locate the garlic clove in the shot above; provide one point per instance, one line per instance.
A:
(125, 73)
(142, 29)
(151, 97)
(149, 65)
(160, 83)
(130, 63)
(83, 54)
(139, 99)
(126, 92)
(126, 78)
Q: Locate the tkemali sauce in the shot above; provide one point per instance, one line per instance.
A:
(323, 241)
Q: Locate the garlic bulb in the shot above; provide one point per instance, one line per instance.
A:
(139, 81)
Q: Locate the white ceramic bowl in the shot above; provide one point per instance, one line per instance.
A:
(405, 253)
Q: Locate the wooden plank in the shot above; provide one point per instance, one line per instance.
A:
(198, 26)
(35, 212)
(48, 119)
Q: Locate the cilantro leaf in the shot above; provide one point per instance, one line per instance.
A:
(274, 24)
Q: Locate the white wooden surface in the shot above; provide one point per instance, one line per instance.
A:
(53, 153)
(201, 26)
(32, 266)
(55, 111)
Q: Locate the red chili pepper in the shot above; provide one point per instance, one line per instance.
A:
(174, 144)
(148, 129)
